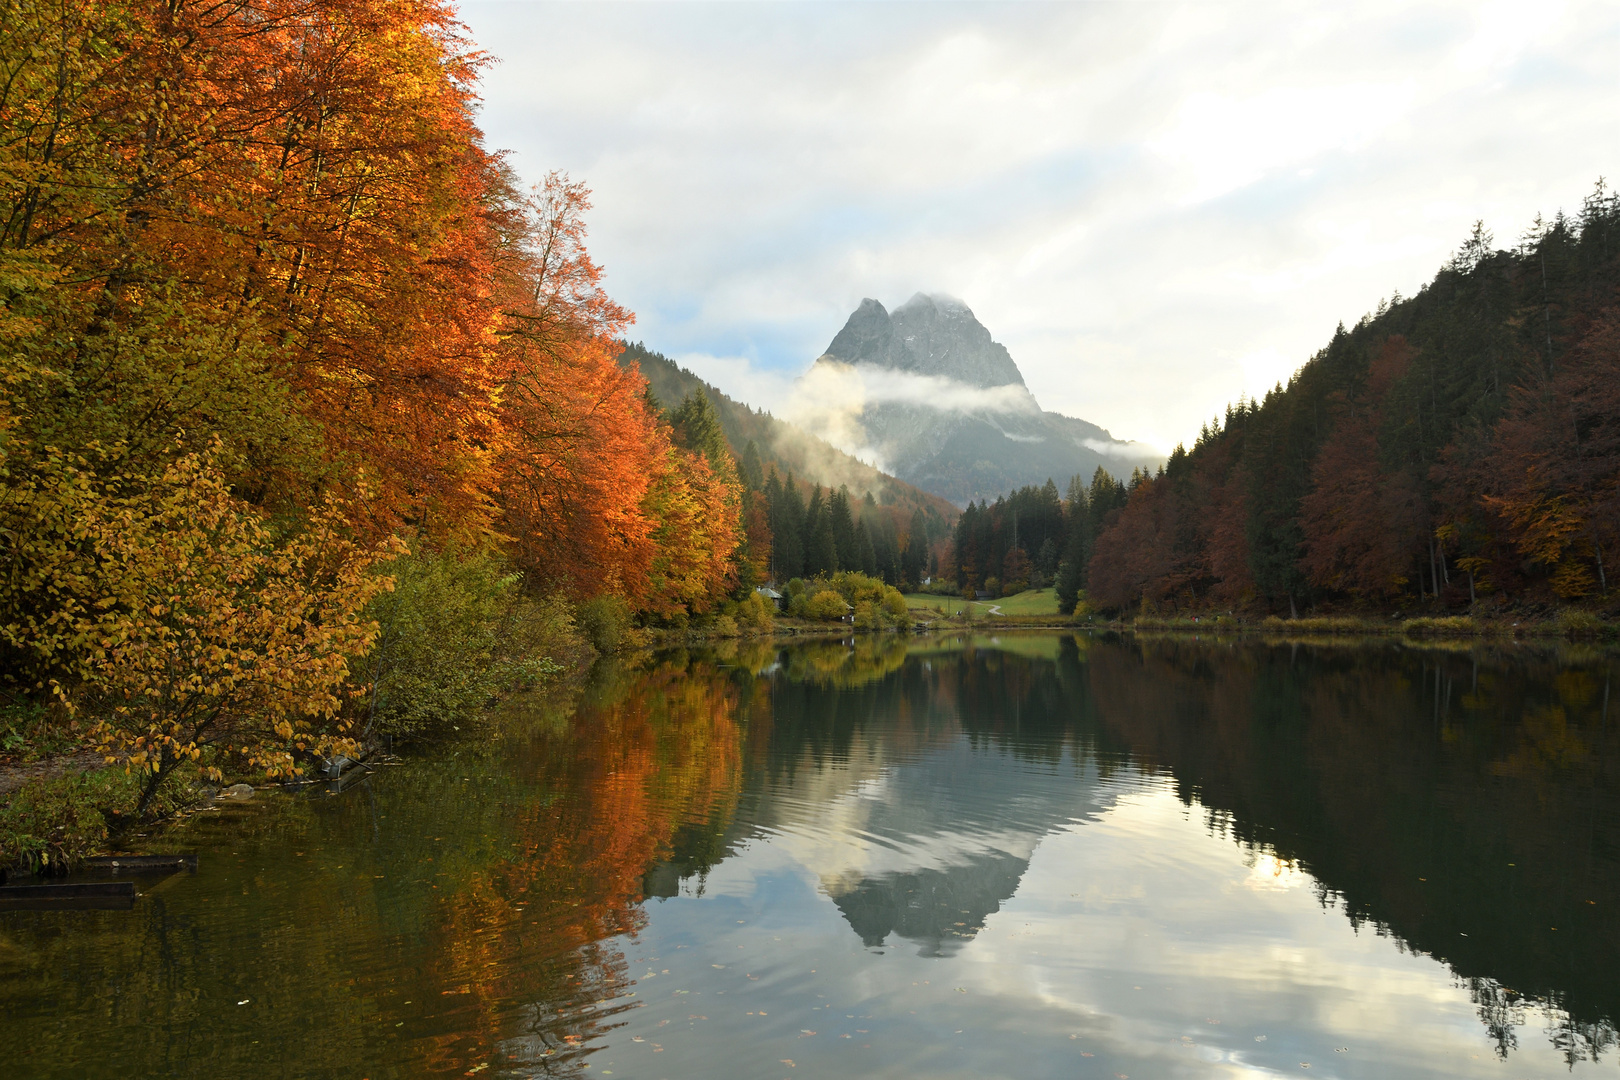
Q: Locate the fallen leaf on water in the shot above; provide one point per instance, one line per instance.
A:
(805, 1031)
(789, 1063)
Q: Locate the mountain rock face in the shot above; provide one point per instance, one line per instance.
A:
(943, 406)
(929, 336)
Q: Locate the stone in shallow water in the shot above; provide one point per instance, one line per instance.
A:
(237, 793)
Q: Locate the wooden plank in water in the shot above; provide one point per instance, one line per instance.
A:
(142, 862)
(104, 895)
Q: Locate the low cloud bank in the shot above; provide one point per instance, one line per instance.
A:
(1131, 451)
(828, 401)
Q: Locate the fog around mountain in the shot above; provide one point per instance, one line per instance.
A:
(926, 393)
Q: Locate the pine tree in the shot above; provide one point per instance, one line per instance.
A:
(820, 548)
(697, 428)
(787, 531)
(866, 553)
(913, 560)
(1071, 575)
(843, 529)
(753, 474)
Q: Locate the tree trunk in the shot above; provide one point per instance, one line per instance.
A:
(166, 763)
(1293, 612)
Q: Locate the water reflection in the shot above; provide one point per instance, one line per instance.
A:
(1027, 855)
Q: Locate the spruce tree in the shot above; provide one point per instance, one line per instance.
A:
(843, 529)
(1071, 575)
(866, 553)
(820, 549)
(913, 561)
(697, 428)
(753, 474)
(787, 531)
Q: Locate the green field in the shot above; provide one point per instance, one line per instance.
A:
(1030, 602)
(950, 605)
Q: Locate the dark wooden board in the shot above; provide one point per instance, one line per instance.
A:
(102, 895)
(141, 862)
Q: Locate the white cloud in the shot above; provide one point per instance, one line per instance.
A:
(1129, 196)
(828, 401)
(741, 379)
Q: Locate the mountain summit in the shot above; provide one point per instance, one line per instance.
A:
(939, 403)
(929, 335)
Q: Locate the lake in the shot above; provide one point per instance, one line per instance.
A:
(1032, 855)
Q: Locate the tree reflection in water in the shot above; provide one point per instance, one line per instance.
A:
(487, 906)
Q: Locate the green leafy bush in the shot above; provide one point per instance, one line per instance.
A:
(52, 821)
(455, 631)
(756, 614)
(604, 621)
(1445, 626)
(1331, 624)
(826, 604)
(1573, 623)
(29, 731)
(875, 606)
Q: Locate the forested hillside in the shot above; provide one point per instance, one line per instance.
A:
(1458, 447)
(784, 447)
(291, 365)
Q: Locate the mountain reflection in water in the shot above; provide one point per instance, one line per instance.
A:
(1033, 855)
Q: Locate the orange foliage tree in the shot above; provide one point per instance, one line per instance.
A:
(1362, 525)
(1557, 480)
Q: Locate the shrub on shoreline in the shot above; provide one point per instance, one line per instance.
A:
(456, 631)
(1575, 624)
(1440, 626)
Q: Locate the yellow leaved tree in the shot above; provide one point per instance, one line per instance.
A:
(186, 622)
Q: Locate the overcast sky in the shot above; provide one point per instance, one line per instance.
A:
(1155, 207)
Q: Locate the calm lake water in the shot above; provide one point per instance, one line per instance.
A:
(1032, 856)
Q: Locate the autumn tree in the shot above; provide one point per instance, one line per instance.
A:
(182, 622)
(1362, 526)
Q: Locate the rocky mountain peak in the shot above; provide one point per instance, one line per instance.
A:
(975, 440)
(929, 335)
